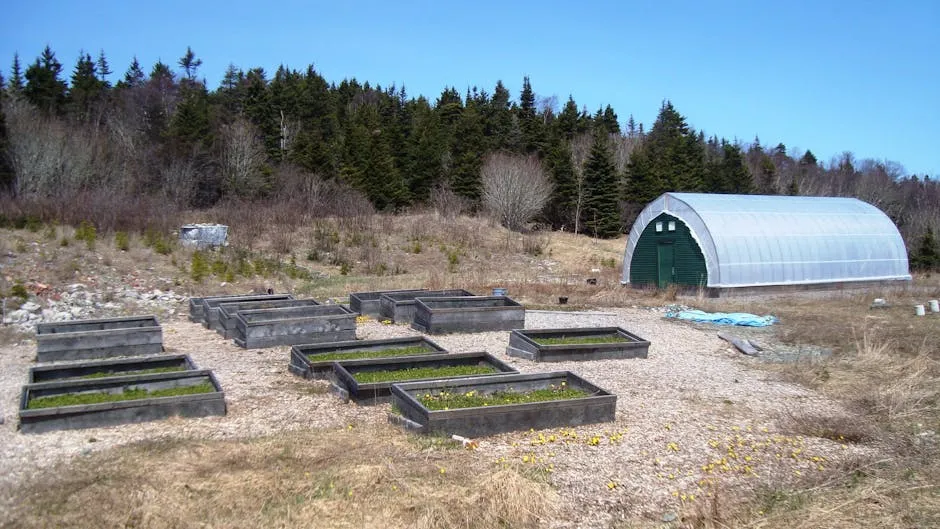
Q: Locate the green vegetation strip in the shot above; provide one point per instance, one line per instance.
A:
(417, 373)
(378, 353)
(581, 340)
(77, 399)
(474, 399)
(105, 374)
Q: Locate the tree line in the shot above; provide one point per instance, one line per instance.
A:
(256, 136)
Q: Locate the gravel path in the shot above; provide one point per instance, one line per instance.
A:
(691, 404)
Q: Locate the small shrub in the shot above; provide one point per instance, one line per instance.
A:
(21, 246)
(416, 247)
(609, 262)
(313, 255)
(64, 241)
(19, 291)
(453, 259)
(49, 233)
(199, 268)
(344, 269)
(86, 232)
(33, 224)
(122, 241)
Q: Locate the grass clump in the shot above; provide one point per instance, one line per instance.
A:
(581, 340)
(380, 353)
(105, 374)
(18, 290)
(416, 373)
(473, 399)
(78, 399)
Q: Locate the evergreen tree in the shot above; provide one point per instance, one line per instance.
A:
(729, 174)
(608, 120)
(133, 77)
(531, 125)
(671, 158)
(426, 147)
(43, 86)
(190, 64)
(927, 258)
(104, 70)
(566, 125)
(601, 208)
(560, 209)
(16, 78)
(768, 176)
(86, 90)
(468, 151)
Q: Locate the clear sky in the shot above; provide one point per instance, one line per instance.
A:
(831, 76)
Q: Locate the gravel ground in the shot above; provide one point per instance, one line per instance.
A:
(691, 404)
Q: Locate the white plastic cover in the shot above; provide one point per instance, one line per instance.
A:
(755, 240)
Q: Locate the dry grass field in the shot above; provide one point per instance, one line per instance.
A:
(882, 368)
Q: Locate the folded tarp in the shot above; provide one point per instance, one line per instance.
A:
(724, 318)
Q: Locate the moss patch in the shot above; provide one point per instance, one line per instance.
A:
(77, 399)
(473, 399)
(377, 353)
(417, 373)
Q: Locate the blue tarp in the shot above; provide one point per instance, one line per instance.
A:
(724, 318)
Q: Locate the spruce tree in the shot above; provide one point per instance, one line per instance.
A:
(104, 70)
(86, 90)
(468, 151)
(561, 205)
(927, 258)
(16, 76)
(601, 208)
(133, 77)
(531, 125)
(43, 86)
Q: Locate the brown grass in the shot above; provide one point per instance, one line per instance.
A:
(360, 477)
(885, 368)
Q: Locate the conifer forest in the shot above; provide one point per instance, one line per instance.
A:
(136, 139)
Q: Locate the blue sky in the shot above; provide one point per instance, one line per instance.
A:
(830, 76)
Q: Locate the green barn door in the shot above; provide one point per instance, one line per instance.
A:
(665, 257)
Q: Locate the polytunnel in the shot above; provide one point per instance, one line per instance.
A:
(732, 241)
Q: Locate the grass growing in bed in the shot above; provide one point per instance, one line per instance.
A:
(473, 399)
(416, 373)
(581, 340)
(104, 374)
(76, 399)
(377, 353)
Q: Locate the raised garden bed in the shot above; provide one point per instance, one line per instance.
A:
(370, 380)
(119, 400)
(99, 338)
(474, 407)
(400, 307)
(315, 361)
(195, 306)
(294, 325)
(588, 343)
(467, 314)
(210, 306)
(227, 311)
(111, 368)
(367, 303)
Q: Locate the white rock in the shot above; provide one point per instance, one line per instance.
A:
(76, 312)
(29, 306)
(18, 315)
(75, 287)
(48, 314)
(131, 294)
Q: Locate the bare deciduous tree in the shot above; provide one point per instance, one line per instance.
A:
(580, 149)
(515, 188)
(242, 157)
